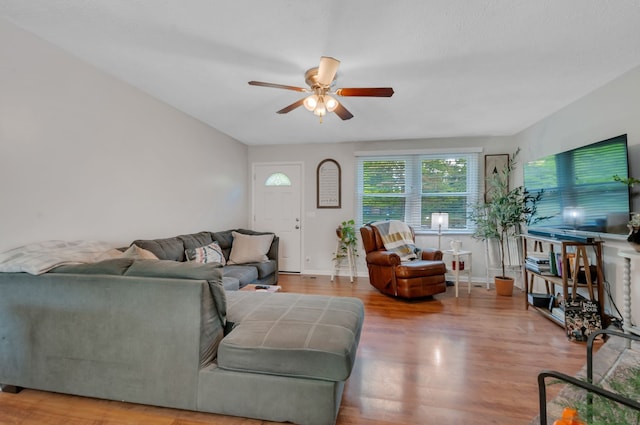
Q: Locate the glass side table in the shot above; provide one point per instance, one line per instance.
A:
(458, 258)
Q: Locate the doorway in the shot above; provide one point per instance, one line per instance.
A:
(277, 207)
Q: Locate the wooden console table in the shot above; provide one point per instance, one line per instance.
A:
(569, 278)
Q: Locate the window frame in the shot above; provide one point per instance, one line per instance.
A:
(413, 191)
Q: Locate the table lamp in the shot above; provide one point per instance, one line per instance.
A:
(440, 221)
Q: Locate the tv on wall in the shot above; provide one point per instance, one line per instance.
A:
(579, 192)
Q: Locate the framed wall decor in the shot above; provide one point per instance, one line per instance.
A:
(493, 164)
(328, 184)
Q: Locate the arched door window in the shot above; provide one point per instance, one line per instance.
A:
(278, 179)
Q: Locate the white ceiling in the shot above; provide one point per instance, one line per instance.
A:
(458, 68)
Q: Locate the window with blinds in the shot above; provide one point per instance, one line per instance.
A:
(412, 187)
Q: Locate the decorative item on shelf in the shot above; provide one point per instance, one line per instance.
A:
(456, 245)
(439, 221)
(634, 231)
(502, 215)
(634, 224)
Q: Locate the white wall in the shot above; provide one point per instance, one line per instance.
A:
(85, 156)
(607, 112)
(319, 224)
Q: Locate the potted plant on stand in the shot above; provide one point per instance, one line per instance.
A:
(347, 247)
(502, 215)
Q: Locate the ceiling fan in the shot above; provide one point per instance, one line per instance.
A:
(321, 81)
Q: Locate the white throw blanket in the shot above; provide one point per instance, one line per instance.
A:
(41, 257)
(396, 236)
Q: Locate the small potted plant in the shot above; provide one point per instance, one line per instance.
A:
(503, 215)
(346, 233)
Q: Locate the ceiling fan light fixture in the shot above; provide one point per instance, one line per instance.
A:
(320, 81)
(310, 102)
(320, 109)
(330, 103)
(327, 70)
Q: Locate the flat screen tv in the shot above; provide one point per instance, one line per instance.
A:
(579, 192)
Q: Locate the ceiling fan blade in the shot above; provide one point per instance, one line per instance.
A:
(342, 112)
(291, 107)
(366, 91)
(277, 86)
(327, 70)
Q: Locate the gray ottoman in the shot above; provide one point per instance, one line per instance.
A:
(290, 354)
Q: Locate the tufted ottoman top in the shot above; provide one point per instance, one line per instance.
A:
(299, 335)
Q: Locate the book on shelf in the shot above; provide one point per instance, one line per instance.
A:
(552, 263)
(559, 265)
(539, 268)
(538, 259)
(540, 265)
(571, 259)
(558, 313)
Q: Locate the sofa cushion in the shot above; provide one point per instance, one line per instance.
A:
(230, 283)
(211, 253)
(195, 240)
(250, 248)
(137, 253)
(117, 266)
(244, 273)
(264, 269)
(175, 270)
(420, 268)
(225, 239)
(164, 249)
(211, 272)
(295, 335)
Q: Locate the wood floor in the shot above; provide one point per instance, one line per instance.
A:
(471, 360)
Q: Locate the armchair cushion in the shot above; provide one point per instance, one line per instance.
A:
(420, 268)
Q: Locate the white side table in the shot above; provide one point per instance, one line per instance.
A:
(456, 256)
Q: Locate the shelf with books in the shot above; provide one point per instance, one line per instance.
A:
(569, 268)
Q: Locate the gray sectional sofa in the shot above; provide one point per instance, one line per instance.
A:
(235, 276)
(167, 333)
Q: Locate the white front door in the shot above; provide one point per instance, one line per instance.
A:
(277, 208)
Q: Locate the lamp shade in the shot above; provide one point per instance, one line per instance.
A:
(440, 221)
(330, 103)
(310, 102)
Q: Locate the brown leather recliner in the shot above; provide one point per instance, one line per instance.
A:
(411, 279)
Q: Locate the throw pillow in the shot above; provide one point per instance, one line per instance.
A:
(250, 248)
(211, 253)
(137, 253)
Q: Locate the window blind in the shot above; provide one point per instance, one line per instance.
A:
(411, 187)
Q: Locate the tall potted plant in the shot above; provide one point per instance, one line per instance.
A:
(502, 215)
